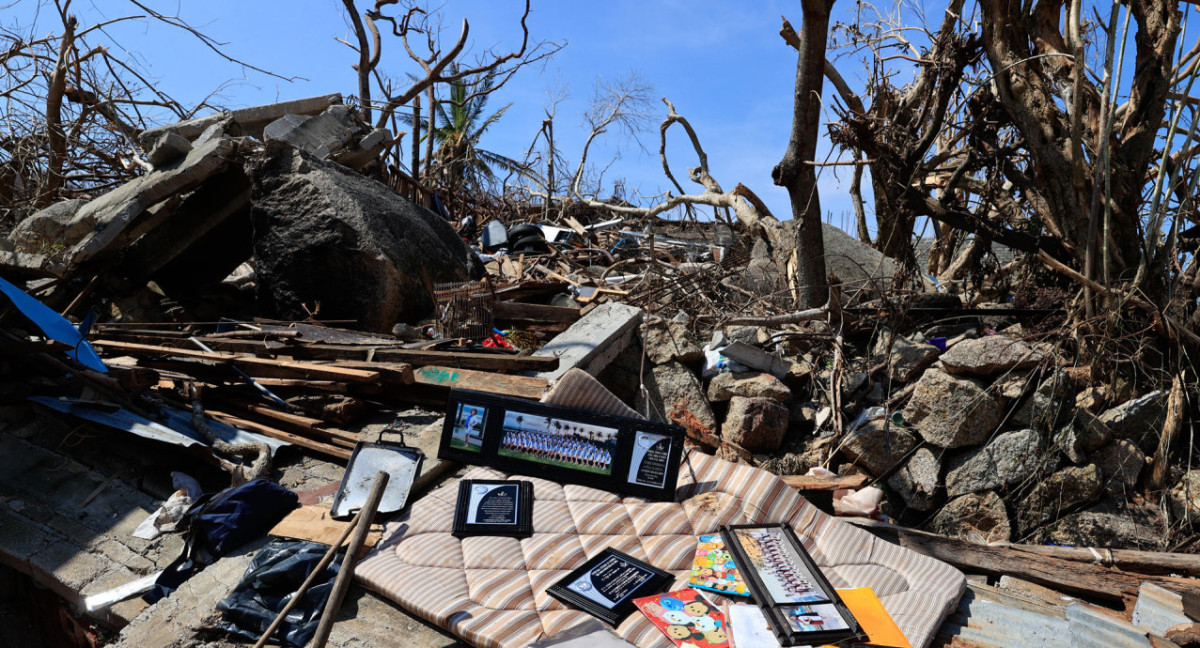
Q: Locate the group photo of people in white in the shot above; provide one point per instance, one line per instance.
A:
(559, 442)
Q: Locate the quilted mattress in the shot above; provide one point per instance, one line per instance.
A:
(491, 591)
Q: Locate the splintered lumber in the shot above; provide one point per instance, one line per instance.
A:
(274, 433)
(518, 386)
(392, 373)
(1066, 575)
(296, 423)
(251, 364)
(807, 483)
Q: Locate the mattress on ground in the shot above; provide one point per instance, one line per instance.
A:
(491, 591)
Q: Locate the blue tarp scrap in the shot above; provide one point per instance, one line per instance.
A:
(54, 326)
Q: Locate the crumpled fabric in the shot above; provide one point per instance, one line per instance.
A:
(275, 573)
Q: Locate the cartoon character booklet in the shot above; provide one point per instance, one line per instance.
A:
(689, 619)
(713, 568)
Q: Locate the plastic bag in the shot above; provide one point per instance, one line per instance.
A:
(275, 573)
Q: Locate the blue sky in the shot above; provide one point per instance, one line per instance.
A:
(722, 64)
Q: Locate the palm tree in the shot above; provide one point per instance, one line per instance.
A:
(459, 124)
(519, 419)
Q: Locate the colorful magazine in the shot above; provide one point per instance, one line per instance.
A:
(713, 568)
(687, 618)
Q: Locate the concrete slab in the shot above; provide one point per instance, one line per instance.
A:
(592, 342)
(250, 121)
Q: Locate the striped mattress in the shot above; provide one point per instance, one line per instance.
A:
(491, 591)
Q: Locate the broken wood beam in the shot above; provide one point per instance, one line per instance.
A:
(450, 377)
(393, 373)
(538, 313)
(1065, 575)
(251, 364)
(275, 433)
(295, 423)
(807, 483)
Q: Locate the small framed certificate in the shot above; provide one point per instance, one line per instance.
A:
(494, 508)
(606, 585)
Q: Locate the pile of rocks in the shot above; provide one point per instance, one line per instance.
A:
(993, 439)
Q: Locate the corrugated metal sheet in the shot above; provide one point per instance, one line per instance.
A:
(1158, 609)
(1093, 629)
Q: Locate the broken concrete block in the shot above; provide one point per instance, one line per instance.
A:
(951, 411)
(249, 121)
(977, 517)
(756, 424)
(320, 134)
(1009, 459)
(47, 229)
(323, 229)
(592, 342)
(166, 149)
(907, 359)
(750, 384)
(666, 341)
(367, 149)
(917, 481)
(990, 355)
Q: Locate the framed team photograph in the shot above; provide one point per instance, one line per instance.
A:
(799, 603)
(521, 437)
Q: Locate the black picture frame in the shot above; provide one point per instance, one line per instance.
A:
(785, 599)
(617, 454)
(619, 574)
(476, 493)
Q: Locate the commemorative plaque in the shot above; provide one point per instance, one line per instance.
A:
(494, 508)
(606, 585)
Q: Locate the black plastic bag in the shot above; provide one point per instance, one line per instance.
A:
(276, 572)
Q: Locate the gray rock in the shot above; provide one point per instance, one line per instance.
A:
(977, 517)
(167, 148)
(1064, 490)
(907, 359)
(1110, 525)
(877, 445)
(1139, 420)
(666, 341)
(917, 482)
(1081, 435)
(750, 384)
(320, 134)
(47, 229)
(756, 424)
(951, 411)
(856, 264)
(1048, 405)
(1184, 498)
(990, 355)
(1121, 463)
(1009, 459)
(322, 228)
(247, 121)
(672, 384)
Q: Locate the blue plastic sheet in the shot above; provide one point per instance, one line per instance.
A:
(54, 326)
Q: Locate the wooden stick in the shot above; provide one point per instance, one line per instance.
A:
(250, 363)
(317, 571)
(334, 604)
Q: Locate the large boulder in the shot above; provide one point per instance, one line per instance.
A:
(917, 481)
(978, 517)
(1064, 490)
(1009, 459)
(878, 445)
(330, 237)
(756, 424)
(1140, 420)
(990, 355)
(951, 411)
(672, 385)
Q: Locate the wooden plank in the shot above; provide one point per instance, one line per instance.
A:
(296, 423)
(516, 311)
(296, 439)
(291, 368)
(805, 483)
(398, 354)
(392, 373)
(316, 524)
(449, 377)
